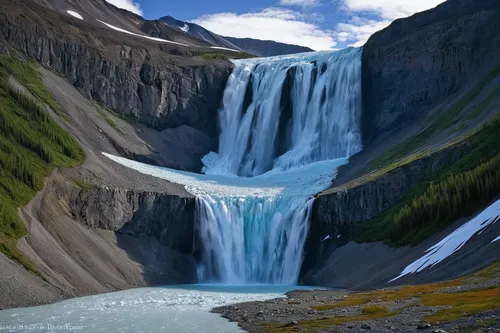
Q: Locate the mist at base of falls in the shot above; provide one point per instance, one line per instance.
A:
(286, 125)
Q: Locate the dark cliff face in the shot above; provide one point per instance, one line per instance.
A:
(418, 62)
(336, 211)
(169, 218)
(162, 85)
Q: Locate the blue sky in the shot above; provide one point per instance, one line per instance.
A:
(318, 24)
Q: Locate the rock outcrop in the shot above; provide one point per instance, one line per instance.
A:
(168, 218)
(417, 63)
(337, 210)
(162, 85)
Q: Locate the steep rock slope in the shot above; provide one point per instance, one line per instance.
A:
(99, 12)
(417, 63)
(100, 227)
(132, 76)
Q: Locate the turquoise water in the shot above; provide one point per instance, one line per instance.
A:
(183, 308)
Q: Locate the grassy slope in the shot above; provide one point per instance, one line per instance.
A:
(454, 304)
(411, 221)
(31, 146)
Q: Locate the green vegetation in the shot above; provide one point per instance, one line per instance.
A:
(29, 76)
(453, 305)
(484, 104)
(459, 304)
(105, 117)
(367, 313)
(444, 195)
(31, 146)
(443, 121)
(83, 184)
(442, 203)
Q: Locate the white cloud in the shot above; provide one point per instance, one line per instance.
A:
(281, 25)
(358, 29)
(301, 3)
(129, 5)
(390, 9)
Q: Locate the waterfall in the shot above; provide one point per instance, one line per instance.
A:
(281, 116)
(287, 124)
(284, 112)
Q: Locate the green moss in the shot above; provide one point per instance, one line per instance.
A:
(31, 146)
(459, 305)
(367, 313)
(347, 301)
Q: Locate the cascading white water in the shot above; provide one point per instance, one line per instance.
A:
(279, 115)
(322, 123)
(287, 124)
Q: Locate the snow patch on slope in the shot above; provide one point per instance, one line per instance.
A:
(134, 34)
(455, 241)
(75, 14)
(223, 48)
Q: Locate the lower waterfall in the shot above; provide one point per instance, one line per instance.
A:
(287, 123)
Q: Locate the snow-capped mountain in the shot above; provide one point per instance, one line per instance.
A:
(197, 31)
(104, 15)
(261, 48)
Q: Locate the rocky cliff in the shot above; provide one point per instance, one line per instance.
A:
(99, 239)
(337, 210)
(417, 63)
(162, 85)
(168, 218)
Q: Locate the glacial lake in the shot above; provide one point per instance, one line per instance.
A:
(184, 308)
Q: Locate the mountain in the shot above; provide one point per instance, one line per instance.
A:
(82, 77)
(260, 48)
(104, 15)
(266, 48)
(199, 32)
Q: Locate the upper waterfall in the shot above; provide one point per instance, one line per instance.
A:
(283, 112)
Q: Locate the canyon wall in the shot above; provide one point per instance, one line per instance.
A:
(418, 62)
